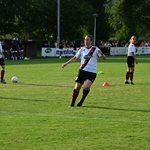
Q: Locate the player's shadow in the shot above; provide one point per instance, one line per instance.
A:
(23, 99)
(37, 84)
(118, 109)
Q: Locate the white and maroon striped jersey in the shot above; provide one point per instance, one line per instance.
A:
(92, 64)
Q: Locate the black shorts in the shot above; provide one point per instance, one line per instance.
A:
(130, 61)
(2, 62)
(84, 75)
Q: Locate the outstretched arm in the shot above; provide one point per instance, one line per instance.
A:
(100, 53)
(69, 61)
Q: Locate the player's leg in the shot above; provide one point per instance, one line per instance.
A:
(127, 76)
(128, 71)
(131, 69)
(3, 70)
(86, 89)
(75, 93)
(89, 79)
(131, 74)
(79, 82)
(3, 74)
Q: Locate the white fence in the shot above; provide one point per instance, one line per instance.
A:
(123, 51)
(54, 52)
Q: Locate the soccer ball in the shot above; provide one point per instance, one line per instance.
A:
(14, 79)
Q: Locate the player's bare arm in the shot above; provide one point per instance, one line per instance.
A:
(135, 60)
(100, 53)
(73, 59)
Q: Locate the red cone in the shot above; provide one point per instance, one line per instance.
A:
(106, 84)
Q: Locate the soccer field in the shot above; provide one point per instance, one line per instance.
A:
(35, 112)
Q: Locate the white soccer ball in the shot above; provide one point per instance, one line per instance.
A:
(14, 79)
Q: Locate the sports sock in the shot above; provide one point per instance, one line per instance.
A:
(127, 76)
(131, 76)
(85, 93)
(74, 97)
(2, 74)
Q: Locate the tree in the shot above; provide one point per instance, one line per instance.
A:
(7, 12)
(36, 19)
(127, 17)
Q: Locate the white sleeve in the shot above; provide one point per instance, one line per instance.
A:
(132, 48)
(78, 54)
(1, 49)
(99, 52)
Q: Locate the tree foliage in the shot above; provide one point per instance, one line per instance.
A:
(128, 17)
(36, 19)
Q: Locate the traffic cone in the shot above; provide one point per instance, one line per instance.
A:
(106, 84)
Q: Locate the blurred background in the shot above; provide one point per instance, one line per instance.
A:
(30, 25)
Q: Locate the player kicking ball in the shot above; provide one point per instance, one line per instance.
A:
(88, 69)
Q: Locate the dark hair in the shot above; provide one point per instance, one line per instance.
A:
(90, 36)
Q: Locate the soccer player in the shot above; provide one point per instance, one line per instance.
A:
(88, 69)
(131, 60)
(2, 64)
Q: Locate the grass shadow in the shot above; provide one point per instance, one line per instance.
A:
(23, 99)
(46, 85)
(118, 109)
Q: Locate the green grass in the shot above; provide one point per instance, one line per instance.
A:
(34, 113)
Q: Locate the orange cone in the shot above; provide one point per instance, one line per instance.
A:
(106, 84)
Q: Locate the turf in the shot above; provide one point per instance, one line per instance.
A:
(35, 112)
